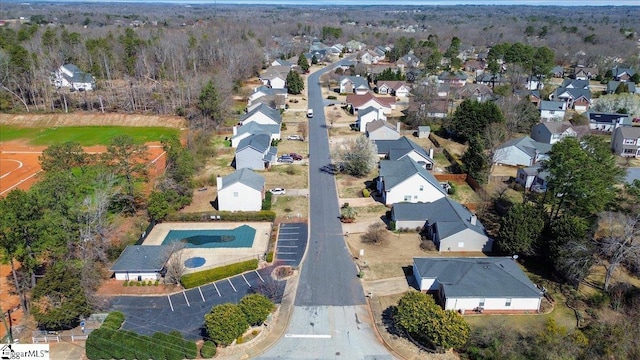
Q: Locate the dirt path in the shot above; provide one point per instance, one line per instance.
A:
(90, 119)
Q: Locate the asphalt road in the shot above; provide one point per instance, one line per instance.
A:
(329, 276)
(330, 319)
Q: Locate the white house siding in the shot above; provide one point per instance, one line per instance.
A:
(523, 179)
(259, 118)
(580, 108)
(409, 224)
(136, 276)
(552, 115)
(512, 156)
(249, 158)
(385, 110)
(239, 197)
(277, 83)
(411, 189)
(236, 139)
(466, 240)
(365, 119)
(493, 304)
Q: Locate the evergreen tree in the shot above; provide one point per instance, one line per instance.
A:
(303, 63)
(295, 85)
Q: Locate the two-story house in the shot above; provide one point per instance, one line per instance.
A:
(626, 141)
(405, 180)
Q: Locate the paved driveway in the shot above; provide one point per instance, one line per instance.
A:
(184, 311)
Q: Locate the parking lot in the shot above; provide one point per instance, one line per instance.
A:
(184, 311)
(292, 243)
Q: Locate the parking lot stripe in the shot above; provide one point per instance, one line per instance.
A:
(289, 233)
(286, 260)
(170, 304)
(257, 273)
(215, 286)
(245, 280)
(308, 336)
(287, 246)
(285, 253)
(230, 283)
(185, 298)
(202, 296)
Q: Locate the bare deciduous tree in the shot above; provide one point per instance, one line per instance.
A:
(303, 129)
(377, 233)
(175, 265)
(620, 241)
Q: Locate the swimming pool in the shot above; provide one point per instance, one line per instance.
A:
(240, 237)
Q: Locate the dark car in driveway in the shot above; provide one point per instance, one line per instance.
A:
(285, 159)
(296, 156)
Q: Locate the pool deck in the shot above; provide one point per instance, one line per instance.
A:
(214, 256)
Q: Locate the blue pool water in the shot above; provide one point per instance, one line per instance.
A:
(194, 262)
(240, 237)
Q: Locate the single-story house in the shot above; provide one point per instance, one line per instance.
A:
(408, 61)
(522, 151)
(626, 141)
(552, 110)
(368, 115)
(71, 76)
(242, 190)
(488, 285)
(382, 130)
(404, 147)
(532, 177)
(281, 62)
(354, 85)
(478, 92)
(584, 73)
(264, 90)
(622, 73)
(451, 226)
(552, 132)
(405, 180)
(629, 87)
(252, 128)
(142, 262)
(274, 79)
(607, 122)
(255, 152)
(454, 79)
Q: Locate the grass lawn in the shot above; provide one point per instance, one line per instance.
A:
(292, 176)
(465, 194)
(290, 206)
(84, 135)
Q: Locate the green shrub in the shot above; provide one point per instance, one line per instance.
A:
(332, 97)
(204, 277)
(113, 321)
(269, 257)
(366, 193)
(291, 170)
(208, 349)
(144, 283)
(239, 340)
(256, 308)
(137, 283)
(157, 282)
(453, 189)
(392, 225)
(266, 202)
(240, 216)
(125, 283)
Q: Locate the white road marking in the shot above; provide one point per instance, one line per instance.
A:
(170, 304)
(202, 296)
(245, 280)
(218, 291)
(19, 166)
(287, 246)
(185, 298)
(307, 336)
(257, 273)
(159, 156)
(286, 253)
(230, 283)
(20, 182)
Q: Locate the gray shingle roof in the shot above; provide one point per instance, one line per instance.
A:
(78, 76)
(258, 142)
(142, 258)
(358, 81)
(493, 277)
(395, 172)
(265, 109)
(244, 176)
(528, 146)
(255, 128)
(377, 124)
(396, 149)
(552, 105)
(449, 216)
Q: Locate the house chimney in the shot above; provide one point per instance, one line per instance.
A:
(473, 220)
(219, 182)
(431, 153)
(235, 130)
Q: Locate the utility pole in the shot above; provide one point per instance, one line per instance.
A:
(6, 326)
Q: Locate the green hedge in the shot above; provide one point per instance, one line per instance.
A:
(204, 277)
(269, 258)
(208, 349)
(113, 321)
(263, 215)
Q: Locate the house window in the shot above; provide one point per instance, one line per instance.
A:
(407, 198)
(421, 187)
(629, 141)
(235, 194)
(628, 151)
(481, 303)
(507, 303)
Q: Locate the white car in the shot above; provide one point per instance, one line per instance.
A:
(278, 191)
(294, 137)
